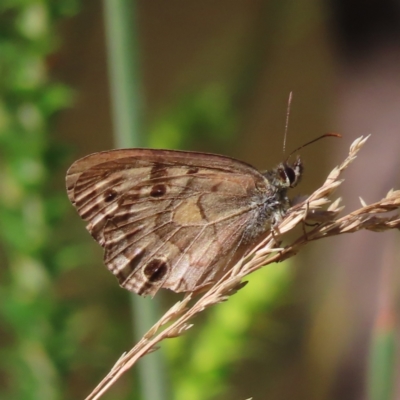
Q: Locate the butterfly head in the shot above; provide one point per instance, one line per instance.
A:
(290, 174)
(286, 175)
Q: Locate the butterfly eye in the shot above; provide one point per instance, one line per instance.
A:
(293, 172)
(290, 174)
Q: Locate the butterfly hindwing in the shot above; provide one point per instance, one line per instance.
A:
(168, 219)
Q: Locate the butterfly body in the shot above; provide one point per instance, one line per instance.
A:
(175, 219)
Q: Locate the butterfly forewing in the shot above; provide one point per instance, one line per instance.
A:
(168, 219)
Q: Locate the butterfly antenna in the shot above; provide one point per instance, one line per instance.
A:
(338, 135)
(287, 120)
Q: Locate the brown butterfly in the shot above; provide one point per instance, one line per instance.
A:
(176, 219)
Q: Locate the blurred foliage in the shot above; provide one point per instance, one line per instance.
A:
(33, 320)
(382, 357)
(199, 120)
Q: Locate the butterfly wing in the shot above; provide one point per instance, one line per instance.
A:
(168, 219)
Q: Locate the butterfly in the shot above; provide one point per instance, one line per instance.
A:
(175, 219)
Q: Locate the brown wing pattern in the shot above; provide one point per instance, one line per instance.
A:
(166, 218)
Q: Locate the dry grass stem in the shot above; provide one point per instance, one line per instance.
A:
(175, 320)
